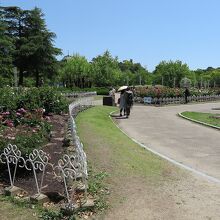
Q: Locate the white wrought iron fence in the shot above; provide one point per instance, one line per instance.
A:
(70, 166)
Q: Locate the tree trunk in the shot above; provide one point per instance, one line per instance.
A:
(21, 77)
(78, 82)
(90, 84)
(83, 82)
(37, 78)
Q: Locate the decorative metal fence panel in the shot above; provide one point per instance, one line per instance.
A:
(68, 167)
(179, 100)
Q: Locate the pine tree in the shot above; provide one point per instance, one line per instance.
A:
(42, 54)
(34, 51)
(6, 49)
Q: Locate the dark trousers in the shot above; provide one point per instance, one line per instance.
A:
(122, 110)
(128, 110)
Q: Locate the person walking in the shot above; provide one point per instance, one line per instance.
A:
(128, 101)
(112, 94)
(186, 94)
(122, 103)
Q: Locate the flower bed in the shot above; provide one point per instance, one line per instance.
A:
(25, 116)
(32, 98)
(26, 129)
(166, 92)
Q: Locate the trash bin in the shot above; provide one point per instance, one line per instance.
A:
(108, 100)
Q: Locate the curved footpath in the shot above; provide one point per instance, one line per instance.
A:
(160, 129)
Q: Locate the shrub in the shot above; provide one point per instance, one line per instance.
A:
(166, 92)
(47, 98)
(8, 98)
(27, 140)
(52, 100)
(25, 129)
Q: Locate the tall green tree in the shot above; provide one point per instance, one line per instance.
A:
(14, 18)
(215, 78)
(209, 77)
(6, 49)
(136, 74)
(106, 70)
(39, 49)
(34, 51)
(170, 73)
(76, 71)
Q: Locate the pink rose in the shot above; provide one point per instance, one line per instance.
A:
(18, 113)
(22, 110)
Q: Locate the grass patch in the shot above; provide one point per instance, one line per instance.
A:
(98, 97)
(96, 187)
(105, 143)
(21, 209)
(111, 152)
(203, 117)
(16, 210)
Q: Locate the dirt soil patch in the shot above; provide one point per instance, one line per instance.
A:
(55, 150)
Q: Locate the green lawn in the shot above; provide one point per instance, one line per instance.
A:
(126, 164)
(98, 97)
(203, 117)
(105, 143)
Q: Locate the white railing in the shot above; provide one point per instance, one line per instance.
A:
(180, 100)
(79, 94)
(71, 166)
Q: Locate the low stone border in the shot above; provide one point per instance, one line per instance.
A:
(199, 122)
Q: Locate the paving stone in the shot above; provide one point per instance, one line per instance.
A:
(59, 139)
(13, 191)
(80, 187)
(39, 198)
(88, 204)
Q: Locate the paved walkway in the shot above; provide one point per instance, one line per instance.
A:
(191, 144)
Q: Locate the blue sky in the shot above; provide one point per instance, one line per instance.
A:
(147, 31)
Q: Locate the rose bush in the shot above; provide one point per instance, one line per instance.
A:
(46, 98)
(166, 92)
(24, 116)
(26, 129)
